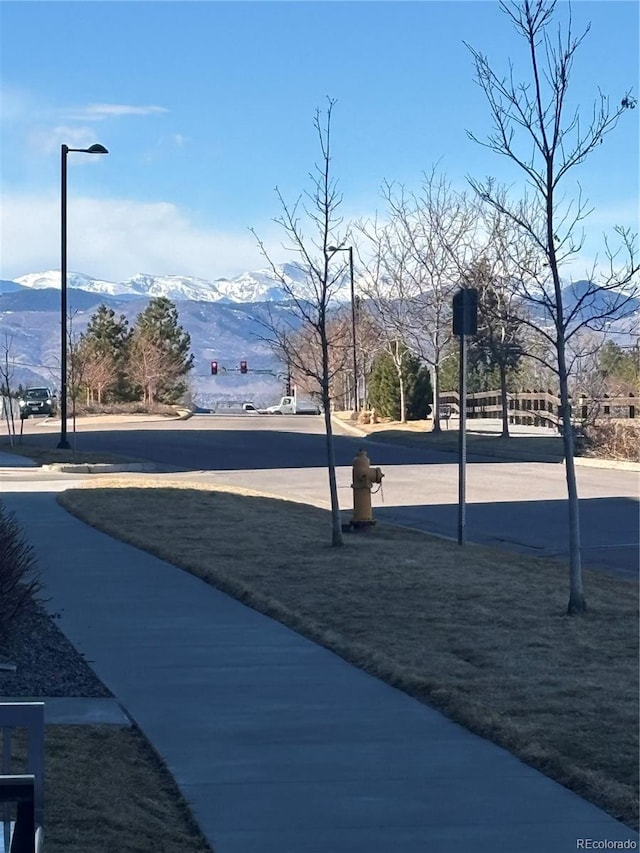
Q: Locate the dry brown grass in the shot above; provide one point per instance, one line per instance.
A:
(106, 791)
(420, 434)
(479, 634)
(606, 439)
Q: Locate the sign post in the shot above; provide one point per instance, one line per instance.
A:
(465, 322)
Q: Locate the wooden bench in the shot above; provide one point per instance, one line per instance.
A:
(25, 834)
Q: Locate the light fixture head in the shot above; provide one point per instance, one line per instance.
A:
(97, 149)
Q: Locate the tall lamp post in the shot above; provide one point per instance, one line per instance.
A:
(333, 250)
(63, 444)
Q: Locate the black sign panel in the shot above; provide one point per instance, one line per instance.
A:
(465, 312)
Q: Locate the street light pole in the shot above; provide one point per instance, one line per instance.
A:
(333, 250)
(63, 444)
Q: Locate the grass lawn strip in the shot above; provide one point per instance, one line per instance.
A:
(477, 633)
(106, 790)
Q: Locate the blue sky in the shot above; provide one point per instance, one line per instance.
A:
(206, 106)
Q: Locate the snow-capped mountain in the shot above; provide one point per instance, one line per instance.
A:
(178, 288)
(259, 286)
(225, 318)
(223, 331)
(51, 279)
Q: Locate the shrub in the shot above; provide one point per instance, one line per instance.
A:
(134, 408)
(614, 440)
(19, 579)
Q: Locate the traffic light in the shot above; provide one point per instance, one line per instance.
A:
(243, 367)
(214, 368)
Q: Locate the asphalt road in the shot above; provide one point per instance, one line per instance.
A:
(516, 505)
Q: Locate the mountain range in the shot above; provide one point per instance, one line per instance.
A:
(260, 286)
(225, 318)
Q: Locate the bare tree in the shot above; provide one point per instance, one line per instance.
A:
(6, 392)
(434, 234)
(302, 352)
(500, 342)
(98, 371)
(385, 261)
(531, 128)
(147, 365)
(587, 385)
(311, 300)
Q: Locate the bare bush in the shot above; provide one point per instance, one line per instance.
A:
(19, 578)
(614, 440)
(137, 407)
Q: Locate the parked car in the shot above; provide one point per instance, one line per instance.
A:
(38, 401)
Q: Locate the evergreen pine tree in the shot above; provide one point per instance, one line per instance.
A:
(104, 351)
(384, 387)
(160, 352)
(418, 388)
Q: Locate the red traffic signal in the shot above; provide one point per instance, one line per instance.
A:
(243, 367)
(214, 368)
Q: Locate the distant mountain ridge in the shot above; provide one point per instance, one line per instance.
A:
(223, 331)
(226, 318)
(259, 286)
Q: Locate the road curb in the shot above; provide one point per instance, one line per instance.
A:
(616, 464)
(100, 468)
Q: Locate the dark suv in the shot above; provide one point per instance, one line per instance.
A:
(37, 401)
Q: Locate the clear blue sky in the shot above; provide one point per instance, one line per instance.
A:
(206, 106)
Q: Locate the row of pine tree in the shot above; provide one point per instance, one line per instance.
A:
(113, 362)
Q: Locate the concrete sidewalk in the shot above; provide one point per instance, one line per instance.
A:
(278, 744)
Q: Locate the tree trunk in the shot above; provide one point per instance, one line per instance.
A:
(403, 401)
(577, 602)
(7, 406)
(336, 523)
(505, 402)
(364, 397)
(435, 381)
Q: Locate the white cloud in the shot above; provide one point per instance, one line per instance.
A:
(115, 239)
(100, 111)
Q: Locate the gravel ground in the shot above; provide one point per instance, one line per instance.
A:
(46, 662)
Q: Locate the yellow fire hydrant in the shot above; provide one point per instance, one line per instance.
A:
(364, 476)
